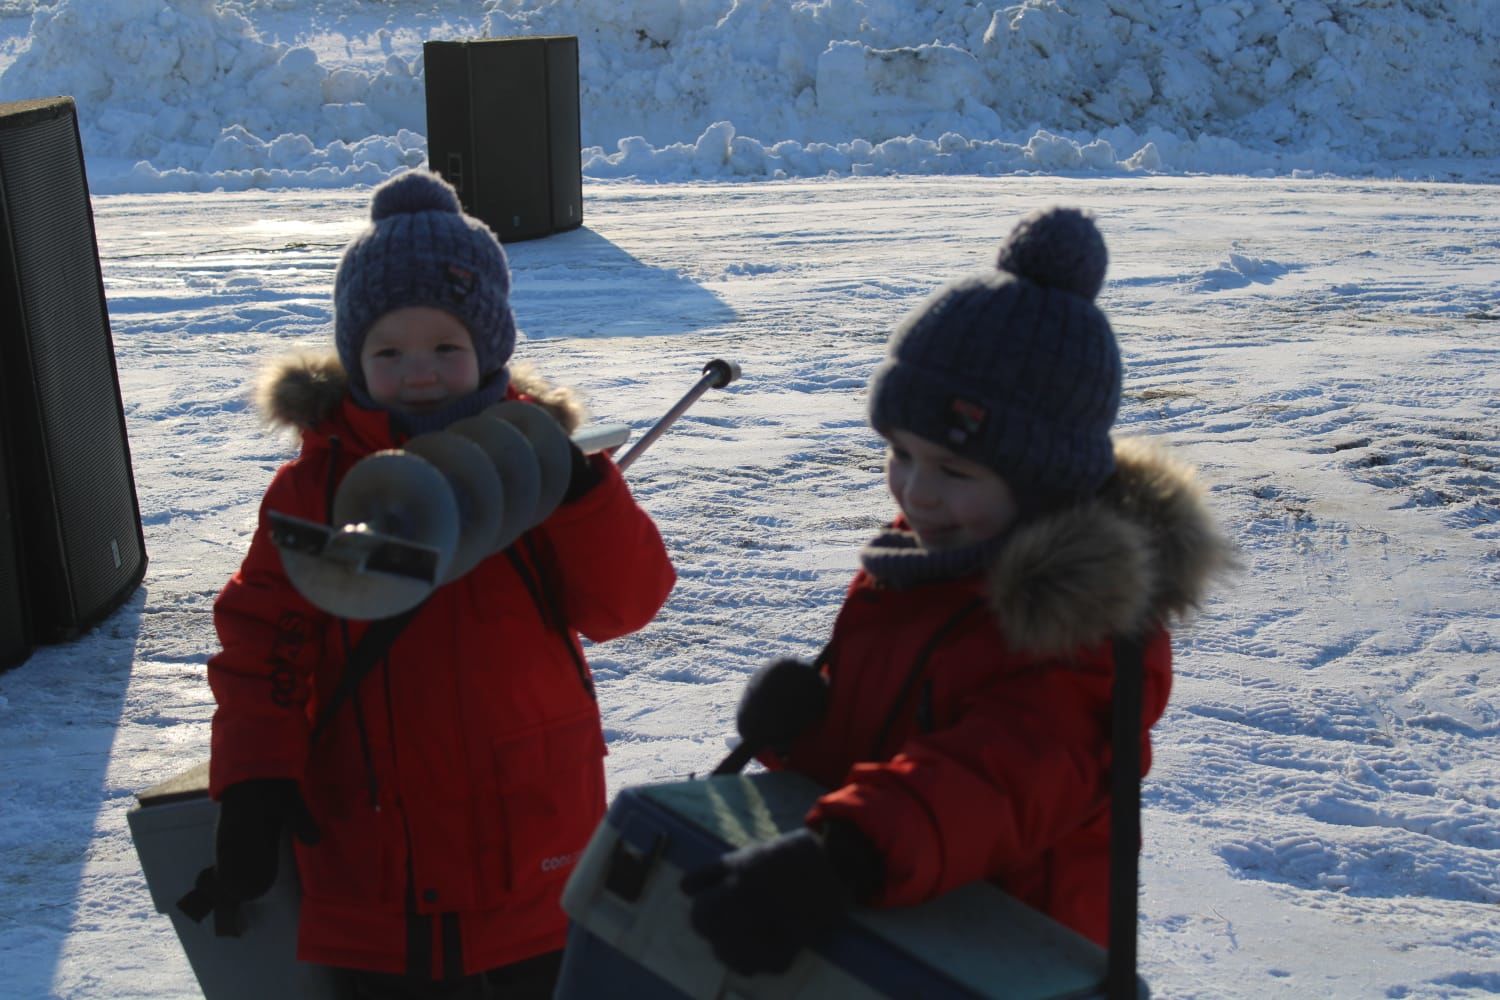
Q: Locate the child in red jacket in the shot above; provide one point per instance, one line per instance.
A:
(441, 806)
(967, 683)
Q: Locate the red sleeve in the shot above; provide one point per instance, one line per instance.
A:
(613, 568)
(1025, 767)
(270, 639)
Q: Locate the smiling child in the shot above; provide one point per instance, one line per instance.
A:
(444, 804)
(969, 675)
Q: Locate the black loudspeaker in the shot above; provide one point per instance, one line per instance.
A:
(15, 628)
(503, 128)
(67, 458)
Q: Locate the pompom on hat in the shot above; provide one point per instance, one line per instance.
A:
(421, 249)
(1015, 368)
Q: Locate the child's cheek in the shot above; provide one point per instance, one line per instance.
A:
(897, 487)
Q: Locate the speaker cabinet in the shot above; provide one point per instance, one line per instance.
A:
(82, 551)
(503, 129)
(15, 629)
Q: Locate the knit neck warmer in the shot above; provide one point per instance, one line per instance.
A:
(488, 394)
(897, 559)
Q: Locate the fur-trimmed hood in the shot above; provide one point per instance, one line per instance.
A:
(301, 391)
(1144, 550)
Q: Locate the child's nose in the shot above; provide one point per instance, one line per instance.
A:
(420, 370)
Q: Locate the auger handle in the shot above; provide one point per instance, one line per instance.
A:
(716, 375)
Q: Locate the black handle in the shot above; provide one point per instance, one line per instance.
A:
(737, 759)
(724, 372)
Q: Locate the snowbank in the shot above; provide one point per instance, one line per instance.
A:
(194, 94)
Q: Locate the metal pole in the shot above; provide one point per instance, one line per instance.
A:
(716, 375)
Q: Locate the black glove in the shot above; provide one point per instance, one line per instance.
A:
(760, 905)
(781, 700)
(247, 843)
(584, 476)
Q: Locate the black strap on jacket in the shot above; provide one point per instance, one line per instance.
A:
(1125, 819)
(378, 638)
(369, 651)
(548, 606)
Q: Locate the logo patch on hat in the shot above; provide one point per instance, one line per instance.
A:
(965, 419)
(461, 282)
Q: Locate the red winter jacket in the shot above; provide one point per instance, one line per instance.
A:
(990, 759)
(479, 777)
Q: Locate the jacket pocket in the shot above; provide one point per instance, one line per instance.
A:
(551, 797)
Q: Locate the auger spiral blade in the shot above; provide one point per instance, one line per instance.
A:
(553, 455)
(477, 489)
(515, 462)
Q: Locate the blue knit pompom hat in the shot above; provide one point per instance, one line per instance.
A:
(422, 250)
(1015, 368)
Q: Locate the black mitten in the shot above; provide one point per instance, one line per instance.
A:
(247, 843)
(760, 905)
(781, 700)
(584, 476)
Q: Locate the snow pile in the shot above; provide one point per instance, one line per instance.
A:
(189, 89)
(198, 94)
(1041, 85)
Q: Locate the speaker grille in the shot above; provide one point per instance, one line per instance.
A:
(72, 470)
(564, 132)
(508, 91)
(15, 633)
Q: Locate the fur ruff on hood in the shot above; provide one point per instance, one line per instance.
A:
(302, 390)
(1143, 551)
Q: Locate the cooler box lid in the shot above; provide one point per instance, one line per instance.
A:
(976, 941)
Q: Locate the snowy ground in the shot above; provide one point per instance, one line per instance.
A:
(1324, 816)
